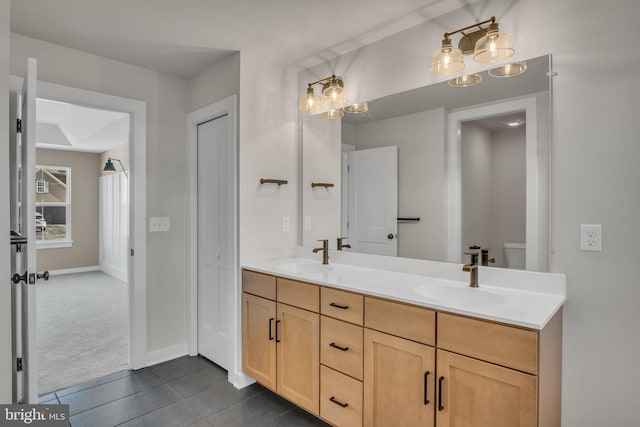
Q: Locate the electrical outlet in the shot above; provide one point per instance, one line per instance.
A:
(286, 224)
(307, 222)
(591, 237)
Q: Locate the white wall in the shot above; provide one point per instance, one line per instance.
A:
(5, 270)
(321, 157)
(219, 82)
(594, 169)
(421, 148)
(114, 224)
(268, 149)
(166, 107)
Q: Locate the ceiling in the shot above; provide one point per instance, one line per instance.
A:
(187, 37)
(63, 126)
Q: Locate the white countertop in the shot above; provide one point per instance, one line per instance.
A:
(520, 298)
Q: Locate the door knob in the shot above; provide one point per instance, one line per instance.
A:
(390, 236)
(44, 275)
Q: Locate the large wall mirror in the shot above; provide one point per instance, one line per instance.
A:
(431, 172)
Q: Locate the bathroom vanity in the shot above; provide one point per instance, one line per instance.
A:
(356, 345)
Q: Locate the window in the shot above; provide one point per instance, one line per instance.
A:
(53, 206)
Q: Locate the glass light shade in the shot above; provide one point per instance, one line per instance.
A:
(334, 114)
(360, 107)
(333, 93)
(493, 46)
(447, 59)
(466, 81)
(310, 103)
(509, 70)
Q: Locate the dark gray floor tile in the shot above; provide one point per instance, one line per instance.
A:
(180, 367)
(108, 392)
(298, 418)
(221, 396)
(179, 414)
(127, 408)
(258, 411)
(197, 382)
(96, 382)
(201, 423)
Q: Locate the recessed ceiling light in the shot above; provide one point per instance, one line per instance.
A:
(514, 123)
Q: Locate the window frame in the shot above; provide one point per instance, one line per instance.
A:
(66, 242)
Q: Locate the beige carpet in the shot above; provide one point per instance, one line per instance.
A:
(82, 329)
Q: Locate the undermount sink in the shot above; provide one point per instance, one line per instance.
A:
(466, 296)
(304, 267)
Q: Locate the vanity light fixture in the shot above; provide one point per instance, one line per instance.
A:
(509, 70)
(332, 95)
(466, 81)
(486, 44)
(334, 114)
(360, 107)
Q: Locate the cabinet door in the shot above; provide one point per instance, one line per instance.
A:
(479, 394)
(398, 381)
(258, 339)
(298, 336)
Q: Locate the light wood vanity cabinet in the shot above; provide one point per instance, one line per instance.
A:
(280, 340)
(375, 362)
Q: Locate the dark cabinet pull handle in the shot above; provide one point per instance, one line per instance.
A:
(440, 381)
(426, 382)
(277, 339)
(341, 307)
(337, 402)
(270, 327)
(334, 345)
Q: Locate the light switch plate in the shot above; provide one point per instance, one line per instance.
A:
(286, 224)
(307, 222)
(591, 237)
(159, 224)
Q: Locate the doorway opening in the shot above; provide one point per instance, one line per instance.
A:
(82, 230)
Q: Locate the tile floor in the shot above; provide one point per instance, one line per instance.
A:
(189, 391)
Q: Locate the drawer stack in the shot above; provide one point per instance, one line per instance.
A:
(341, 356)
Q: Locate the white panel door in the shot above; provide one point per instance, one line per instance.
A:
(373, 200)
(24, 262)
(215, 240)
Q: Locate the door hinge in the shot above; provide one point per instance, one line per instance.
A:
(19, 364)
(132, 252)
(19, 125)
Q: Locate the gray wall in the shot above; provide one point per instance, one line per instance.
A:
(85, 170)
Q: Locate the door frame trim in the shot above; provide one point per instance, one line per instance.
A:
(454, 179)
(226, 106)
(137, 265)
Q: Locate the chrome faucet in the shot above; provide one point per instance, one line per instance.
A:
(472, 268)
(325, 251)
(342, 246)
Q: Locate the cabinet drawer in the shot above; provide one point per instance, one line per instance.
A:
(414, 323)
(341, 346)
(500, 344)
(299, 294)
(259, 284)
(342, 305)
(340, 398)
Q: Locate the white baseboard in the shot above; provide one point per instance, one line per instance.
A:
(73, 270)
(169, 353)
(242, 380)
(118, 273)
